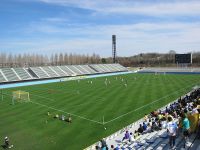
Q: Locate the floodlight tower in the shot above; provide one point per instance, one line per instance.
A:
(114, 48)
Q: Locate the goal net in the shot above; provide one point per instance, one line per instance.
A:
(20, 96)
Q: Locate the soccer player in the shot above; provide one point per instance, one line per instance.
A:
(56, 116)
(69, 119)
(62, 117)
(126, 81)
(125, 85)
(105, 83)
(7, 143)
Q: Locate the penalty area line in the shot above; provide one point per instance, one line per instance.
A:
(49, 107)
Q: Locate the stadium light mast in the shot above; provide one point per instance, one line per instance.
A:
(114, 48)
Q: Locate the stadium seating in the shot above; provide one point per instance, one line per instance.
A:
(97, 68)
(75, 70)
(34, 73)
(39, 72)
(2, 78)
(82, 69)
(156, 140)
(50, 72)
(120, 67)
(104, 68)
(10, 74)
(22, 73)
(89, 69)
(68, 71)
(111, 68)
(59, 71)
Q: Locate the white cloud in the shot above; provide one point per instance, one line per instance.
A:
(159, 8)
(131, 39)
(58, 34)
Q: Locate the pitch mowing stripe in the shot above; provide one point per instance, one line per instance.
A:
(70, 98)
(98, 99)
(144, 106)
(94, 121)
(77, 102)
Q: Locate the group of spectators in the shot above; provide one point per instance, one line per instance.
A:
(102, 145)
(181, 116)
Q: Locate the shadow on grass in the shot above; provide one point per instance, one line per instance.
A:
(4, 146)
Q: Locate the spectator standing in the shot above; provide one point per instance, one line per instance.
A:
(172, 130)
(186, 128)
(103, 145)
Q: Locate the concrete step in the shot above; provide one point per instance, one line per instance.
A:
(188, 143)
(177, 143)
(152, 146)
(162, 144)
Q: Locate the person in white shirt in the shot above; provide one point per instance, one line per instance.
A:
(132, 140)
(172, 130)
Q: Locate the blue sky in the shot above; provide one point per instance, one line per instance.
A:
(86, 26)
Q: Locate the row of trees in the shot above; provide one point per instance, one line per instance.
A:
(140, 60)
(155, 59)
(27, 60)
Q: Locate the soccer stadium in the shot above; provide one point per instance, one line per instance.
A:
(101, 100)
(99, 75)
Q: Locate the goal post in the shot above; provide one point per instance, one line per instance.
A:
(20, 96)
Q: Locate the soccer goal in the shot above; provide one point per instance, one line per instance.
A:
(20, 96)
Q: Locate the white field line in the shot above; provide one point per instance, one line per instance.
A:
(142, 106)
(94, 121)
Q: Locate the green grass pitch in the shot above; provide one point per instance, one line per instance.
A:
(29, 127)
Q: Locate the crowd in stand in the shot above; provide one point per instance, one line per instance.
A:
(181, 116)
